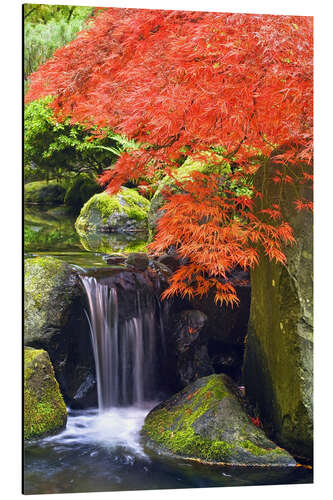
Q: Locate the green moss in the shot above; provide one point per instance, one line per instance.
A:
(105, 211)
(49, 291)
(182, 439)
(134, 206)
(255, 450)
(44, 408)
(206, 421)
(280, 328)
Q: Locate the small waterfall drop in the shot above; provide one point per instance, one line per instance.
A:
(124, 351)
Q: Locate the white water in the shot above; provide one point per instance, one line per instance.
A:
(113, 429)
(125, 361)
(124, 352)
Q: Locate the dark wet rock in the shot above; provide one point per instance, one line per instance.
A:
(193, 364)
(170, 261)
(228, 359)
(44, 408)
(161, 270)
(189, 326)
(114, 259)
(187, 348)
(206, 421)
(139, 261)
(85, 396)
(278, 367)
(227, 324)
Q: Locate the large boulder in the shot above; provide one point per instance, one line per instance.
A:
(124, 212)
(188, 347)
(44, 193)
(54, 320)
(278, 367)
(50, 288)
(207, 422)
(44, 408)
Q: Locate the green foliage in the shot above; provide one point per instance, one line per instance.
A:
(53, 149)
(48, 27)
(80, 190)
(43, 13)
(41, 192)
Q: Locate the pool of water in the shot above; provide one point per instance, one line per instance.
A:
(51, 231)
(104, 453)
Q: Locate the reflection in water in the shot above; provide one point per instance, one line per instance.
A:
(53, 231)
(112, 242)
(47, 230)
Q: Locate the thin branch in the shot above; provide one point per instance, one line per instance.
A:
(30, 12)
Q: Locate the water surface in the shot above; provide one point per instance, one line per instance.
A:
(104, 453)
(51, 231)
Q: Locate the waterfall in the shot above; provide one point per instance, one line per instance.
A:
(124, 351)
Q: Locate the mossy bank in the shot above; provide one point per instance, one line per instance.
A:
(44, 193)
(125, 211)
(207, 422)
(44, 408)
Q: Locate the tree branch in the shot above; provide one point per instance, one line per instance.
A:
(30, 12)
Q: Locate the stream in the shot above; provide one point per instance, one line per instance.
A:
(100, 448)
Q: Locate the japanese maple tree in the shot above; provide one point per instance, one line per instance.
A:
(184, 83)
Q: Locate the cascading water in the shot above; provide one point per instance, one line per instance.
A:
(124, 352)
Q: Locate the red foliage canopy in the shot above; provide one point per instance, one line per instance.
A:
(186, 81)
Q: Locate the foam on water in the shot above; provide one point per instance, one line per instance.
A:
(119, 427)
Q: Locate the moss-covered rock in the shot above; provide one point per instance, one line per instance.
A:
(207, 422)
(278, 367)
(43, 193)
(44, 408)
(50, 287)
(80, 190)
(124, 212)
(183, 174)
(54, 320)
